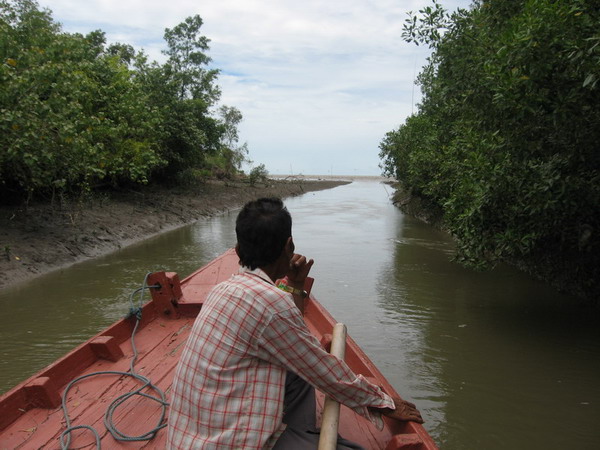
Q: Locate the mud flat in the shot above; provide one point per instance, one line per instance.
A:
(43, 237)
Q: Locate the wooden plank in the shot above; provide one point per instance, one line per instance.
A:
(159, 349)
(198, 292)
(12, 406)
(136, 415)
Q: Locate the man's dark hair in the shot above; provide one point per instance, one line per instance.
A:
(262, 228)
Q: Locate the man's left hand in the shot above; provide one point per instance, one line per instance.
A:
(405, 411)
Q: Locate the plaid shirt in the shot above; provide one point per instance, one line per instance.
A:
(229, 385)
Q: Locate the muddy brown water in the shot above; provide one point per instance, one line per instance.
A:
(494, 360)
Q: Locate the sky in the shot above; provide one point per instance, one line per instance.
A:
(319, 82)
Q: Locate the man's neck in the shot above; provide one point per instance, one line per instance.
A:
(277, 269)
(271, 271)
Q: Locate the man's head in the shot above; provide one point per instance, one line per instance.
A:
(263, 228)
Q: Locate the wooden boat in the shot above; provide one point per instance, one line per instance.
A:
(31, 415)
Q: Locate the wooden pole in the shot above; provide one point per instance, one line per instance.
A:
(331, 409)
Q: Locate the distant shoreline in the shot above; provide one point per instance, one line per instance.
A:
(333, 177)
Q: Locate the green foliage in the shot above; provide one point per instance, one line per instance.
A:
(75, 114)
(70, 115)
(258, 174)
(183, 90)
(505, 140)
(186, 68)
(233, 154)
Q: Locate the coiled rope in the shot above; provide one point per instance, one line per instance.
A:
(160, 398)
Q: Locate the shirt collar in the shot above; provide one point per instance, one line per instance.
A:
(258, 272)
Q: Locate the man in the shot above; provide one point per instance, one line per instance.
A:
(242, 379)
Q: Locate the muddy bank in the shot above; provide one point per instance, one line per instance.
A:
(45, 237)
(416, 206)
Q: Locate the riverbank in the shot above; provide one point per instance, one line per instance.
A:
(44, 237)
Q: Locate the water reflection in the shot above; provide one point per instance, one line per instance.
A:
(503, 361)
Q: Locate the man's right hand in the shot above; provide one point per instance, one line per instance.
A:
(298, 270)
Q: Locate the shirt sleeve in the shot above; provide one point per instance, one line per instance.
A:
(287, 341)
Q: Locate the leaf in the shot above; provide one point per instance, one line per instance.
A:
(11, 62)
(591, 77)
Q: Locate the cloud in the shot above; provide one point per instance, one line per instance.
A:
(319, 82)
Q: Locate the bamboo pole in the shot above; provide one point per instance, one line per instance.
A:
(331, 409)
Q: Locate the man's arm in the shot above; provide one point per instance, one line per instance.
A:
(305, 356)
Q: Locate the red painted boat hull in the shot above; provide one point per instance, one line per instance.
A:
(31, 415)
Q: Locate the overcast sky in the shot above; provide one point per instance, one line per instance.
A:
(319, 82)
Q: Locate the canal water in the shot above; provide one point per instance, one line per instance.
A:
(494, 360)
